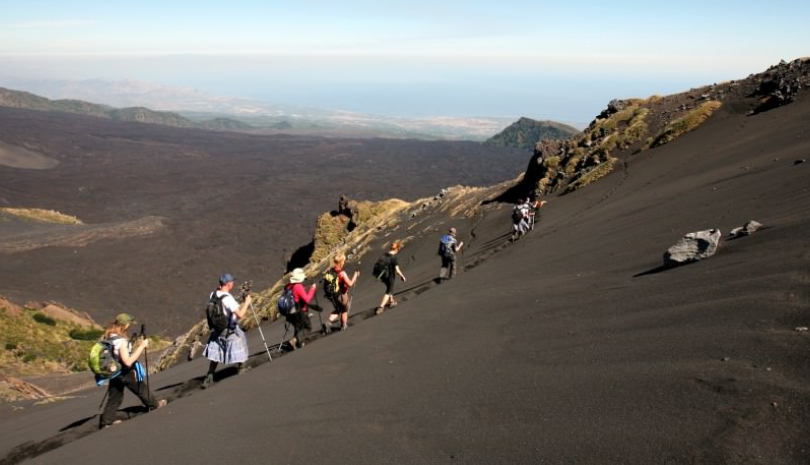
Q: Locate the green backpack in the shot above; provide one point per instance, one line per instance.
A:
(102, 360)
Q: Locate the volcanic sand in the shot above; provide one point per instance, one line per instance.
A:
(571, 345)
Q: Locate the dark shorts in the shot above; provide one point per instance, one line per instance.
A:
(300, 323)
(341, 303)
(389, 285)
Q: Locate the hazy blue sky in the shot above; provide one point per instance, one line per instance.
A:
(546, 60)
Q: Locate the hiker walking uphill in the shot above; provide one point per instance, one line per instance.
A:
(298, 317)
(337, 286)
(227, 343)
(131, 375)
(449, 246)
(386, 270)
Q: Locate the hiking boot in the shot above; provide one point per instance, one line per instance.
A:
(161, 403)
(116, 422)
(242, 368)
(393, 304)
(379, 310)
(344, 327)
(327, 328)
(208, 381)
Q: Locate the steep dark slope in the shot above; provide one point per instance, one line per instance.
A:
(566, 346)
(226, 201)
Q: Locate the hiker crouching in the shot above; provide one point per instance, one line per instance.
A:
(300, 318)
(227, 345)
(131, 375)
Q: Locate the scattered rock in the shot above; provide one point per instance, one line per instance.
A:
(801, 328)
(799, 161)
(693, 247)
(749, 228)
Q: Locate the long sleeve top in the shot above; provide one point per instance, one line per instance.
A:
(302, 296)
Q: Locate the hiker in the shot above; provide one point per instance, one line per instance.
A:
(300, 318)
(343, 300)
(389, 276)
(520, 220)
(132, 373)
(448, 248)
(230, 345)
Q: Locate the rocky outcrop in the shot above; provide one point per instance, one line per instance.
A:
(693, 247)
(780, 84)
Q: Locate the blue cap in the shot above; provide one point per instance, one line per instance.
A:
(225, 279)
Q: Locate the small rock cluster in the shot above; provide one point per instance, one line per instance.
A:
(698, 245)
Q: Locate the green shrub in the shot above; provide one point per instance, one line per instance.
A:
(44, 319)
(86, 335)
(686, 123)
(11, 346)
(551, 162)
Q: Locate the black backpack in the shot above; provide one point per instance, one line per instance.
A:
(517, 214)
(218, 318)
(381, 267)
(331, 284)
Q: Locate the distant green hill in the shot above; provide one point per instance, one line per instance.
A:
(526, 132)
(29, 101)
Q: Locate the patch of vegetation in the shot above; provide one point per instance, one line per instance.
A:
(686, 123)
(526, 132)
(86, 334)
(32, 343)
(44, 319)
(602, 170)
(551, 163)
(331, 231)
(42, 216)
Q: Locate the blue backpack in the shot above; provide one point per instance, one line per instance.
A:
(286, 302)
(446, 246)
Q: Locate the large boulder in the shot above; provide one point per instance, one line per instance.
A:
(693, 247)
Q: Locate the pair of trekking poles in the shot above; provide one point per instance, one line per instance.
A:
(324, 328)
(146, 366)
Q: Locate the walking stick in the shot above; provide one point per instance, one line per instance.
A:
(324, 330)
(258, 325)
(146, 360)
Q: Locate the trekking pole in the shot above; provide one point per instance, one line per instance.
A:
(320, 319)
(106, 393)
(146, 359)
(258, 325)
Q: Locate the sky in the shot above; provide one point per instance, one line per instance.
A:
(544, 60)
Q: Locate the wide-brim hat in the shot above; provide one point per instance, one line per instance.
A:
(298, 276)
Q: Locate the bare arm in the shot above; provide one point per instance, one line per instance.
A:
(127, 358)
(242, 310)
